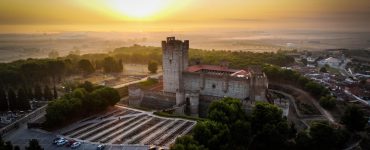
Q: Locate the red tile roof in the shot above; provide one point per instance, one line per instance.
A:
(241, 73)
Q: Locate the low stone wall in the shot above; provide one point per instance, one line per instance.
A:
(158, 100)
(151, 99)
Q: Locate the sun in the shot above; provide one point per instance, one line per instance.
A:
(139, 9)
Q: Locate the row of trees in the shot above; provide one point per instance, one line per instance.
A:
(228, 126)
(108, 65)
(46, 71)
(20, 80)
(137, 54)
(30, 72)
(84, 100)
(237, 59)
(89, 63)
(20, 99)
(32, 145)
(50, 71)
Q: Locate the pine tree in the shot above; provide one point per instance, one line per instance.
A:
(47, 93)
(29, 93)
(38, 92)
(55, 92)
(86, 67)
(120, 65)
(12, 99)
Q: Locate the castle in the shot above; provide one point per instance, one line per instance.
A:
(191, 85)
(190, 82)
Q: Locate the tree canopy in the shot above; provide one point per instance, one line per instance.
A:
(152, 66)
(321, 136)
(110, 65)
(354, 118)
(86, 67)
(229, 127)
(328, 102)
(80, 101)
(34, 145)
(186, 143)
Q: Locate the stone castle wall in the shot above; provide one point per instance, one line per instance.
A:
(151, 99)
(218, 86)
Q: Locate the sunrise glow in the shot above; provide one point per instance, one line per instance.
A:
(169, 15)
(138, 9)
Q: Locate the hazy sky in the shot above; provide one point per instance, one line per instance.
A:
(164, 15)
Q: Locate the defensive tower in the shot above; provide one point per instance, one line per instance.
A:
(175, 61)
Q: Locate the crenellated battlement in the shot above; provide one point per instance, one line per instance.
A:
(172, 44)
(175, 60)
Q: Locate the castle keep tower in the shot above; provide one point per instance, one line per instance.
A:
(175, 61)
